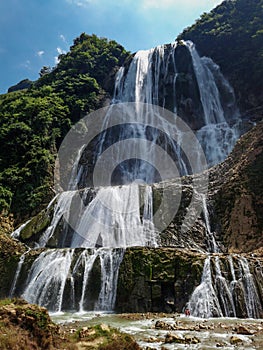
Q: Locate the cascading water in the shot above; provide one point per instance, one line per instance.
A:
(204, 301)
(212, 245)
(253, 304)
(230, 292)
(47, 278)
(111, 218)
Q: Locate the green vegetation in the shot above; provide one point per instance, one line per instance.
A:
(232, 35)
(34, 121)
(103, 337)
(25, 327)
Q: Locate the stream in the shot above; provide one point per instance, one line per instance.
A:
(151, 329)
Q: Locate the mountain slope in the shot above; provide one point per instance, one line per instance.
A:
(34, 121)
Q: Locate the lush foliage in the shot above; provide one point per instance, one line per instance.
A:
(30, 125)
(34, 121)
(232, 34)
(85, 75)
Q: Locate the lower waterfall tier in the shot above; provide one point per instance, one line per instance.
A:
(142, 280)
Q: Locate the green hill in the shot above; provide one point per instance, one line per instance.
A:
(34, 121)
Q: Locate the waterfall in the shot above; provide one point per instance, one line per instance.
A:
(212, 245)
(47, 279)
(88, 261)
(253, 304)
(204, 301)
(112, 219)
(17, 273)
(110, 262)
(229, 292)
(224, 291)
(16, 233)
(216, 136)
(62, 209)
(92, 224)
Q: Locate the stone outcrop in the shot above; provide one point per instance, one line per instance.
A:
(25, 326)
(10, 252)
(234, 201)
(159, 279)
(236, 194)
(163, 279)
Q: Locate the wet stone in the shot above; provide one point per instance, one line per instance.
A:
(235, 340)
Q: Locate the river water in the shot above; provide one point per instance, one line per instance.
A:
(211, 333)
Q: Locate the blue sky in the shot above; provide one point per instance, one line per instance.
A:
(34, 32)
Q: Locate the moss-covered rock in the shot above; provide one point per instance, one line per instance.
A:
(10, 253)
(37, 225)
(25, 327)
(159, 279)
(103, 337)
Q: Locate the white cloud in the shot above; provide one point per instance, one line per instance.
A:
(60, 51)
(62, 37)
(79, 3)
(26, 65)
(40, 53)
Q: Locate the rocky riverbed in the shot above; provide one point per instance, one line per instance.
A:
(173, 331)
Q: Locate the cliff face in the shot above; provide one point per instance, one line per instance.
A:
(236, 193)
(163, 279)
(10, 252)
(157, 279)
(234, 201)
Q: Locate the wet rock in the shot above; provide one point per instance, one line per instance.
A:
(189, 339)
(220, 345)
(235, 340)
(203, 326)
(152, 340)
(144, 284)
(163, 325)
(173, 338)
(244, 330)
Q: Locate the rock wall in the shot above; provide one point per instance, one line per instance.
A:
(163, 280)
(159, 279)
(236, 191)
(10, 252)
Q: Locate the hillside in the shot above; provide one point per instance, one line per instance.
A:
(34, 121)
(232, 35)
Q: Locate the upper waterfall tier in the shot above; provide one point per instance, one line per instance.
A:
(174, 78)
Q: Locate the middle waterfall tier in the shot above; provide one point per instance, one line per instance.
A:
(109, 217)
